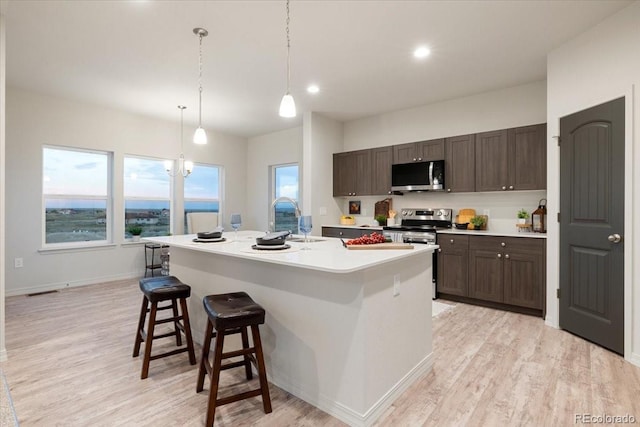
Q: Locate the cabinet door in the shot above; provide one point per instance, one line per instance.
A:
(404, 153)
(343, 174)
(460, 164)
(346, 233)
(430, 150)
(524, 282)
(485, 272)
(362, 170)
(528, 158)
(453, 265)
(381, 160)
(492, 166)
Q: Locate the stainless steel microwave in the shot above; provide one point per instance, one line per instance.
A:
(418, 176)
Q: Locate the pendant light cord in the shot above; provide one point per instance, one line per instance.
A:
(200, 82)
(288, 50)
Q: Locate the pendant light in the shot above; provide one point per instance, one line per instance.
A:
(200, 137)
(288, 106)
(184, 167)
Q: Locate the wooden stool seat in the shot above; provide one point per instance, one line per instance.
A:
(229, 314)
(156, 290)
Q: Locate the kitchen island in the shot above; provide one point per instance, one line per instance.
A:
(346, 330)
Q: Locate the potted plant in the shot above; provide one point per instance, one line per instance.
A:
(478, 222)
(135, 230)
(523, 215)
(382, 219)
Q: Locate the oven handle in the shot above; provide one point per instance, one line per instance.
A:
(430, 173)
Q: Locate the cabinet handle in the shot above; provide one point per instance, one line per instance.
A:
(414, 159)
(511, 187)
(499, 255)
(448, 190)
(504, 187)
(439, 250)
(503, 244)
(506, 256)
(388, 192)
(419, 159)
(354, 194)
(451, 241)
(341, 233)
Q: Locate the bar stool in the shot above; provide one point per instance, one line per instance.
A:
(232, 314)
(155, 290)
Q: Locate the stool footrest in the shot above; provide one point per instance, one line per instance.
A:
(237, 397)
(169, 353)
(168, 319)
(240, 352)
(232, 365)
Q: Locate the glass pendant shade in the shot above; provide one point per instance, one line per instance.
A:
(200, 137)
(168, 165)
(188, 166)
(287, 106)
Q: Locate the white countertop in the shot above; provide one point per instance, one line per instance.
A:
(326, 255)
(501, 233)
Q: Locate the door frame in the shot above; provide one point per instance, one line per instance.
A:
(553, 229)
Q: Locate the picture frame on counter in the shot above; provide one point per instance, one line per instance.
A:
(354, 207)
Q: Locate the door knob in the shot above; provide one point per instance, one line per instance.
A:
(511, 187)
(439, 250)
(504, 187)
(499, 255)
(615, 238)
(507, 256)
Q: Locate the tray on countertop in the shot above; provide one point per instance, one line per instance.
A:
(374, 246)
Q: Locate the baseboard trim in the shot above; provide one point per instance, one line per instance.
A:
(3, 355)
(349, 415)
(72, 284)
(634, 359)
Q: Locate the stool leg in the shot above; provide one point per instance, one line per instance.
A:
(143, 317)
(174, 307)
(205, 356)
(149, 341)
(187, 330)
(247, 359)
(215, 379)
(262, 372)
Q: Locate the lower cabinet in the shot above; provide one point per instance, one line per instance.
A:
(346, 232)
(505, 271)
(453, 265)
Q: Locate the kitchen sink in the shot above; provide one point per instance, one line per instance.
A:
(301, 239)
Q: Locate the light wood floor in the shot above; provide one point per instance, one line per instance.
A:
(70, 364)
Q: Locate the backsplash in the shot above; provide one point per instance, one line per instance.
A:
(501, 206)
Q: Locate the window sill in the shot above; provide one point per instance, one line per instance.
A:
(132, 243)
(69, 249)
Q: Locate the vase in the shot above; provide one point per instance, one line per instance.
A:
(135, 238)
(522, 220)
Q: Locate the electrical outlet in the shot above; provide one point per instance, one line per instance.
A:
(396, 285)
(18, 263)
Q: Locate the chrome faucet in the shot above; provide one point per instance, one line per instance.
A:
(272, 212)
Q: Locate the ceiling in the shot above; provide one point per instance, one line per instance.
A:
(142, 56)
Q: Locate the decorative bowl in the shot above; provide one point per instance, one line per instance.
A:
(209, 234)
(272, 239)
(461, 226)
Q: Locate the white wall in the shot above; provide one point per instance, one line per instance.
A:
(601, 64)
(3, 350)
(322, 138)
(262, 152)
(505, 108)
(34, 120)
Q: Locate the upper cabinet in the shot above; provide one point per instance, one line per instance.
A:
(352, 173)
(511, 159)
(460, 164)
(381, 161)
(418, 151)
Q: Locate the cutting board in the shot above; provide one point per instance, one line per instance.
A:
(381, 246)
(382, 207)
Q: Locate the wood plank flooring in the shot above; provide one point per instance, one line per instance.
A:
(70, 364)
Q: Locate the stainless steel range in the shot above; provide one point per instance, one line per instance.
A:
(420, 226)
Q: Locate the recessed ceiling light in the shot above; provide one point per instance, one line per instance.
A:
(313, 89)
(422, 52)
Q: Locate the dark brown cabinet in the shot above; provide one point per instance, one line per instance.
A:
(507, 270)
(419, 151)
(352, 173)
(345, 232)
(381, 161)
(511, 159)
(460, 164)
(453, 265)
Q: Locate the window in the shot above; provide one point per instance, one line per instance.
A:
(285, 184)
(147, 196)
(202, 190)
(76, 196)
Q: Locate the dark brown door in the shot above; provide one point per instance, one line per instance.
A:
(381, 160)
(485, 270)
(592, 224)
(453, 265)
(492, 165)
(430, 150)
(460, 164)
(528, 158)
(404, 153)
(524, 272)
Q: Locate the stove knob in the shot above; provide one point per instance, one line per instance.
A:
(404, 213)
(440, 213)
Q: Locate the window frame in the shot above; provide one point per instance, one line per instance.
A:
(186, 199)
(170, 199)
(108, 198)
